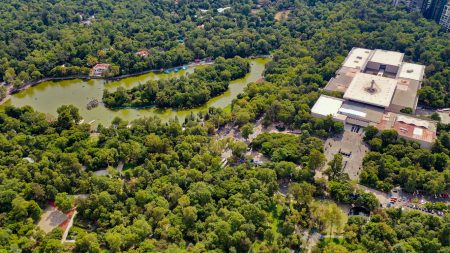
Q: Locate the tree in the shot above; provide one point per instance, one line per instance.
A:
(19, 208)
(53, 246)
(441, 161)
(335, 248)
(389, 137)
(334, 217)
(445, 234)
(3, 92)
(64, 202)
(68, 116)
(113, 71)
(407, 110)
(367, 200)
(199, 193)
(10, 75)
(242, 117)
(189, 216)
(23, 77)
(114, 241)
(316, 159)
(435, 116)
(262, 46)
(376, 144)
(35, 75)
(91, 60)
(370, 132)
(269, 235)
(302, 192)
(87, 243)
(238, 148)
(247, 130)
(335, 169)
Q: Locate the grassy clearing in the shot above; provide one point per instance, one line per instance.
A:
(282, 15)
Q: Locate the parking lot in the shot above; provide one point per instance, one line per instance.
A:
(352, 148)
(416, 201)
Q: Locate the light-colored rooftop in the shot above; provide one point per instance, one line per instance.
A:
(413, 121)
(101, 66)
(342, 80)
(371, 89)
(327, 105)
(220, 10)
(410, 130)
(387, 57)
(409, 127)
(357, 58)
(412, 71)
(362, 111)
(406, 93)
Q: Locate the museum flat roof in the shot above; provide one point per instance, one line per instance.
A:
(327, 105)
(386, 57)
(371, 89)
(342, 80)
(406, 93)
(357, 58)
(362, 111)
(412, 71)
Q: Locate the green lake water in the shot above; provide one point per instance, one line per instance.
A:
(48, 96)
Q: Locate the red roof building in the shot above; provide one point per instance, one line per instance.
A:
(99, 69)
(410, 128)
(143, 53)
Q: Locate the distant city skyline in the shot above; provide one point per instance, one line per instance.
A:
(437, 10)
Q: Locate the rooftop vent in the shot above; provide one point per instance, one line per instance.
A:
(359, 57)
(356, 61)
(372, 89)
(409, 71)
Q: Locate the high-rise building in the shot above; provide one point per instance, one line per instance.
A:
(445, 16)
(437, 10)
(412, 5)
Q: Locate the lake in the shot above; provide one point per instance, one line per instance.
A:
(48, 96)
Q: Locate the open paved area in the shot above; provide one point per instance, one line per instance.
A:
(51, 218)
(382, 197)
(352, 148)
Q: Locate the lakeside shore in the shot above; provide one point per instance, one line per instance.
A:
(11, 91)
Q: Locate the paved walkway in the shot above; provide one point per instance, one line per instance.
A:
(69, 226)
(382, 197)
(120, 168)
(311, 241)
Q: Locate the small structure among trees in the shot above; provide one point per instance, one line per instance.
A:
(100, 69)
(143, 53)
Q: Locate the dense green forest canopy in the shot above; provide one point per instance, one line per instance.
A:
(193, 90)
(58, 38)
(392, 231)
(393, 161)
(173, 193)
